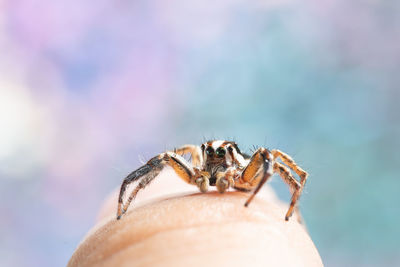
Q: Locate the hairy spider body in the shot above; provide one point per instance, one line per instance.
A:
(219, 163)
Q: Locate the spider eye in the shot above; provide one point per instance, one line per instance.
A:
(209, 151)
(220, 152)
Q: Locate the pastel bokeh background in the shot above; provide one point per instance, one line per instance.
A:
(88, 87)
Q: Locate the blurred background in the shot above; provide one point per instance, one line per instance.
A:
(89, 87)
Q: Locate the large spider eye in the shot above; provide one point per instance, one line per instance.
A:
(220, 152)
(209, 151)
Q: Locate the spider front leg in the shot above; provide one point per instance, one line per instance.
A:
(256, 173)
(149, 171)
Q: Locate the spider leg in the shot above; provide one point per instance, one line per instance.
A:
(299, 171)
(195, 151)
(134, 176)
(142, 184)
(292, 164)
(256, 173)
(149, 171)
(294, 186)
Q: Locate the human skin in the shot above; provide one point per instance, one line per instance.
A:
(195, 229)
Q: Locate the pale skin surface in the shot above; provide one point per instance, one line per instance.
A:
(195, 229)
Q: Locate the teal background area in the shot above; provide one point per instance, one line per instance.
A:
(87, 88)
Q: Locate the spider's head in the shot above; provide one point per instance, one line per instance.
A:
(219, 153)
(214, 151)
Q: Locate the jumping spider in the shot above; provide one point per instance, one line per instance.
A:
(221, 164)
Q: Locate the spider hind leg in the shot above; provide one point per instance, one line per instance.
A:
(295, 186)
(194, 151)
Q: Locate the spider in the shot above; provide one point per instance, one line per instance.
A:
(219, 163)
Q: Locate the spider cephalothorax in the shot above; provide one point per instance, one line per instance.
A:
(219, 163)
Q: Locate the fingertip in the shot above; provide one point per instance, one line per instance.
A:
(166, 232)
